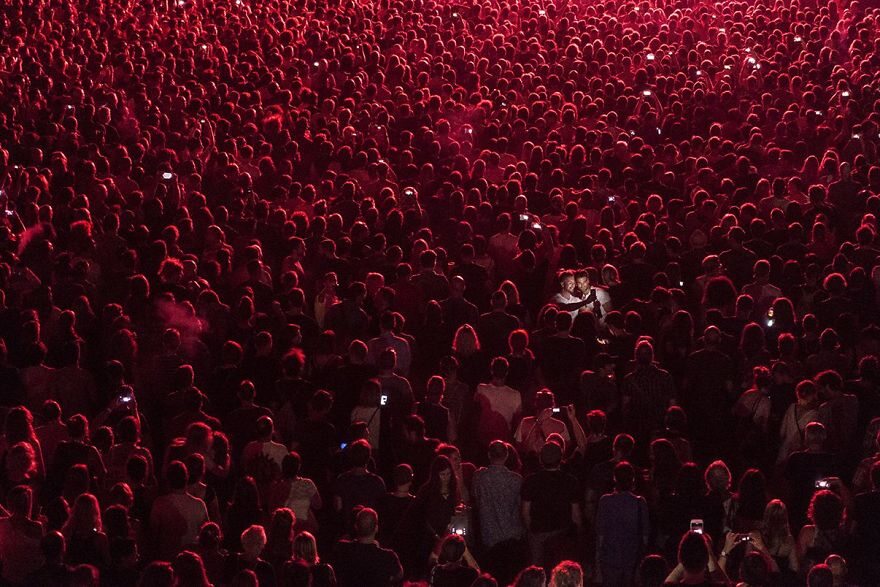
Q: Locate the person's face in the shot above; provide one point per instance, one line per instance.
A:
(445, 476)
(583, 283)
(568, 284)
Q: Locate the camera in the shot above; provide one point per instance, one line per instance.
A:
(697, 526)
(383, 400)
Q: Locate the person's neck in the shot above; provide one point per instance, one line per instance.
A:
(371, 539)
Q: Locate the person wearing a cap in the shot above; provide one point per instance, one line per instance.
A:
(551, 507)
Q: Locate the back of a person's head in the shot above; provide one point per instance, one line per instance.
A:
(820, 576)
(366, 523)
(652, 571)
(624, 476)
(693, 553)
(358, 453)
(754, 570)
(533, 576)
(177, 475)
(452, 549)
(499, 368)
(567, 574)
(157, 574)
(53, 546)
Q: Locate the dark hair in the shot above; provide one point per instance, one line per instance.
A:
(624, 476)
(176, 475)
(693, 553)
(826, 510)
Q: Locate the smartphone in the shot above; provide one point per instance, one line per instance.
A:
(681, 284)
(746, 538)
(697, 526)
(342, 445)
(383, 400)
(845, 93)
(10, 212)
(823, 484)
(646, 92)
(126, 398)
(459, 531)
(524, 217)
(409, 192)
(651, 57)
(612, 199)
(557, 410)
(167, 176)
(536, 225)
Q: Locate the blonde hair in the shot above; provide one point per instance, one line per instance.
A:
(466, 341)
(305, 548)
(567, 574)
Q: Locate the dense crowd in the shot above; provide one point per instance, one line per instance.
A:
(308, 293)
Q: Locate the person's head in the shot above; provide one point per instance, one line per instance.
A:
(210, 536)
(755, 571)
(53, 546)
(567, 574)
(85, 516)
(830, 383)
(530, 577)
(566, 281)
(281, 525)
(189, 569)
(644, 353)
(838, 567)
(551, 455)
(452, 549)
(826, 510)
(253, 540)
(264, 428)
(718, 478)
(815, 435)
(499, 369)
(623, 446)
(290, 465)
(624, 476)
(693, 552)
(157, 574)
(442, 475)
(402, 477)
(305, 547)
(652, 571)
(358, 453)
(19, 500)
(498, 452)
(366, 524)
(176, 475)
(414, 428)
(820, 575)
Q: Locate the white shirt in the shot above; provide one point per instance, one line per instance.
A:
(501, 399)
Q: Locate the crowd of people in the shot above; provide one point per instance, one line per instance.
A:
(531, 292)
